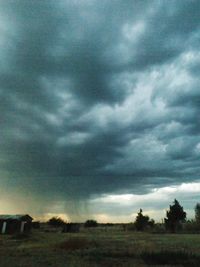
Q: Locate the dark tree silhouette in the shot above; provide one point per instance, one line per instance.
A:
(91, 223)
(175, 215)
(197, 213)
(56, 222)
(142, 221)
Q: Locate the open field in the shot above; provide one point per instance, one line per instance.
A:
(109, 247)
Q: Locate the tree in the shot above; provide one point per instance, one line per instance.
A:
(91, 223)
(142, 221)
(175, 215)
(151, 223)
(56, 222)
(197, 213)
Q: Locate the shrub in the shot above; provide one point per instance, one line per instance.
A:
(159, 228)
(191, 227)
(91, 223)
(197, 213)
(143, 222)
(56, 222)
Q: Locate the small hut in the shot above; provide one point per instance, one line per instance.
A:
(11, 224)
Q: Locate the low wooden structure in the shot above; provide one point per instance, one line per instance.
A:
(10, 224)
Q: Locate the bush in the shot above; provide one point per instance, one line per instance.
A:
(56, 222)
(91, 223)
(143, 222)
(159, 228)
(191, 227)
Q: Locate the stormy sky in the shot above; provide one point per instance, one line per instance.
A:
(99, 107)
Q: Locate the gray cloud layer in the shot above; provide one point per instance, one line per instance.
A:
(98, 97)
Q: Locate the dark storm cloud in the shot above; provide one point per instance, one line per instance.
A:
(98, 97)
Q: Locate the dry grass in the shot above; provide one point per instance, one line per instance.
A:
(99, 247)
(76, 244)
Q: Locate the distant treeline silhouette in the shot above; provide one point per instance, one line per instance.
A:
(175, 221)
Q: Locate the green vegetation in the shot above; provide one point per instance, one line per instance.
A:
(56, 222)
(197, 213)
(180, 258)
(141, 243)
(175, 216)
(142, 222)
(99, 246)
(91, 223)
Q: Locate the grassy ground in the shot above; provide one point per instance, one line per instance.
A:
(111, 247)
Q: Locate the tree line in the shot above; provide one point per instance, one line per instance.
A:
(175, 218)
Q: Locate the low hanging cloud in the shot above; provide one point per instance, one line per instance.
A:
(98, 98)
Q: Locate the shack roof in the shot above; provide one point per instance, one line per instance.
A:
(18, 217)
